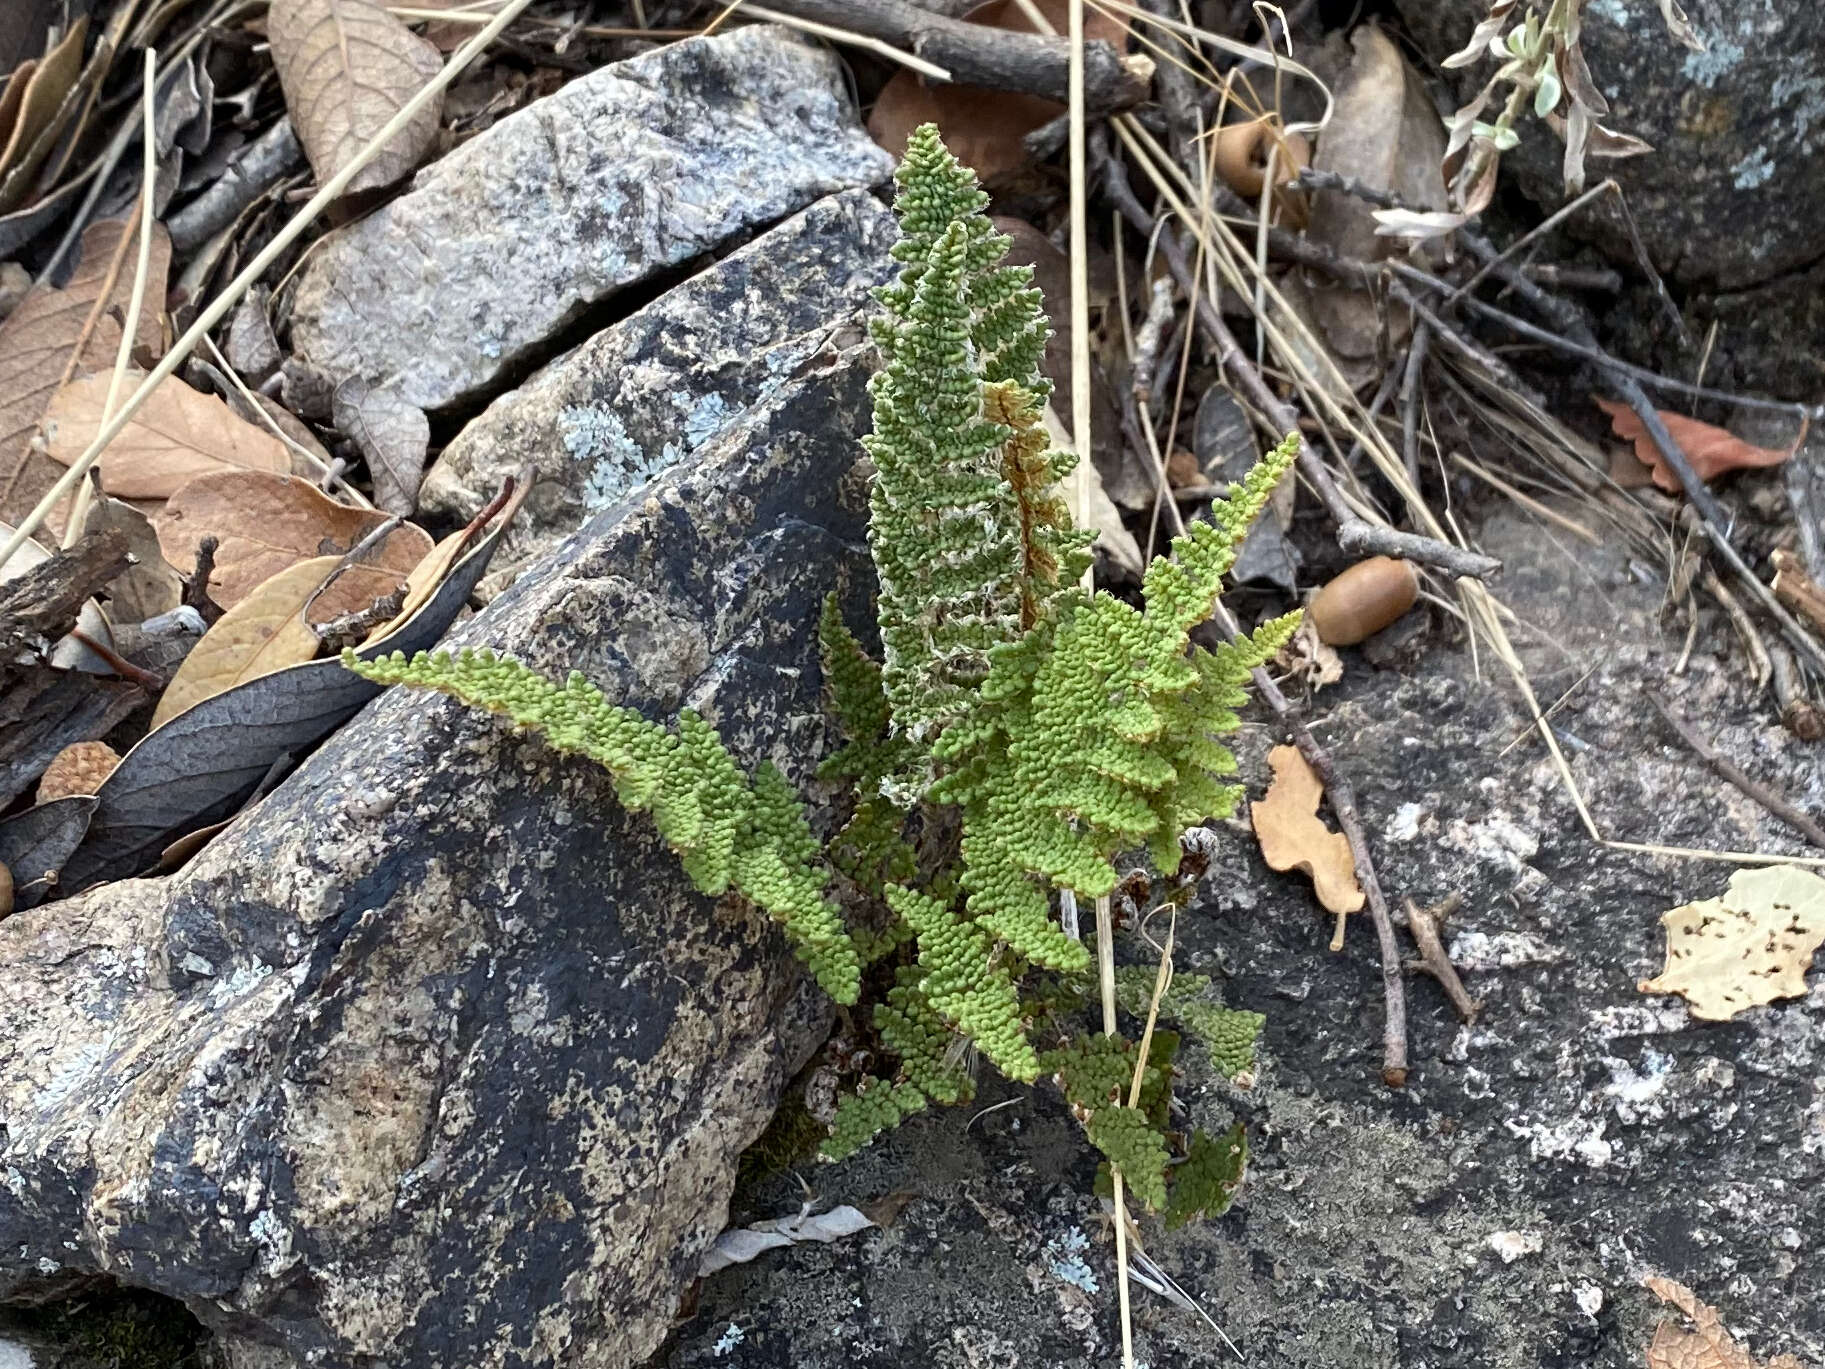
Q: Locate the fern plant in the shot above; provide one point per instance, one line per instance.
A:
(1018, 733)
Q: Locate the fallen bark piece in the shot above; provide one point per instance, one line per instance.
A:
(617, 177)
(1293, 838)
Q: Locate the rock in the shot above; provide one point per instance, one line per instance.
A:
(434, 1059)
(1729, 197)
(610, 182)
(1608, 1125)
(670, 378)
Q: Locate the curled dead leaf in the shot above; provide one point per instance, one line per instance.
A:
(150, 586)
(394, 435)
(1292, 837)
(1710, 450)
(38, 113)
(264, 522)
(176, 435)
(1751, 946)
(265, 632)
(346, 67)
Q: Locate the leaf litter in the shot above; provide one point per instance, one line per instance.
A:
(1750, 946)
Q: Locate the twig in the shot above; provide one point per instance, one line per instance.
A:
(1234, 362)
(1409, 399)
(1727, 770)
(120, 665)
(1427, 926)
(1031, 63)
(1799, 713)
(196, 586)
(930, 70)
(330, 191)
(261, 163)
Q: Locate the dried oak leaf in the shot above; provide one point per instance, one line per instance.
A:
(1710, 450)
(1749, 947)
(265, 632)
(1292, 837)
(38, 338)
(39, 112)
(264, 522)
(346, 67)
(986, 129)
(177, 435)
(1711, 1346)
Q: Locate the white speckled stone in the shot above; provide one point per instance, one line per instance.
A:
(614, 179)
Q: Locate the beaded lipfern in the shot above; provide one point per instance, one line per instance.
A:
(729, 831)
(1016, 735)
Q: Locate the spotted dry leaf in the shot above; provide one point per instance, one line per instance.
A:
(1711, 1346)
(1749, 947)
(347, 67)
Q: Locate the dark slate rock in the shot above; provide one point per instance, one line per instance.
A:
(434, 1059)
(670, 378)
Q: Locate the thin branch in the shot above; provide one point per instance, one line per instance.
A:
(1726, 769)
(1031, 63)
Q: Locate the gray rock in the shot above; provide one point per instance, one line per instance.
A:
(617, 177)
(435, 1059)
(1623, 1134)
(670, 378)
(1730, 196)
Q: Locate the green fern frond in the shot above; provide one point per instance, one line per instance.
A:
(1095, 1073)
(1205, 1184)
(915, 1031)
(727, 830)
(865, 1114)
(966, 983)
(1229, 1033)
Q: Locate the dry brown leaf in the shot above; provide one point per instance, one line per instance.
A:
(426, 576)
(1749, 947)
(394, 435)
(1711, 1346)
(38, 338)
(265, 522)
(150, 586)
(1308, 658)
(177, 435)
(1384, 133)
(1710, 450)
(12, 97)
(1292, 837)
(265, 632)
(347, 67)
(985, 129)
(39, 115)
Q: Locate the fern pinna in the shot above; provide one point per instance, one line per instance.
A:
(1043, 728)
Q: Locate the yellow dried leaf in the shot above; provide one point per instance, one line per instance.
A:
(1749, 947)
(265, 632)
(1709, 1347)
(1292, 838)
(177, 435)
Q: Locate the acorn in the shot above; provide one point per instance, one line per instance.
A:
(1240, 161)
(1363, 600)
(78, 769)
